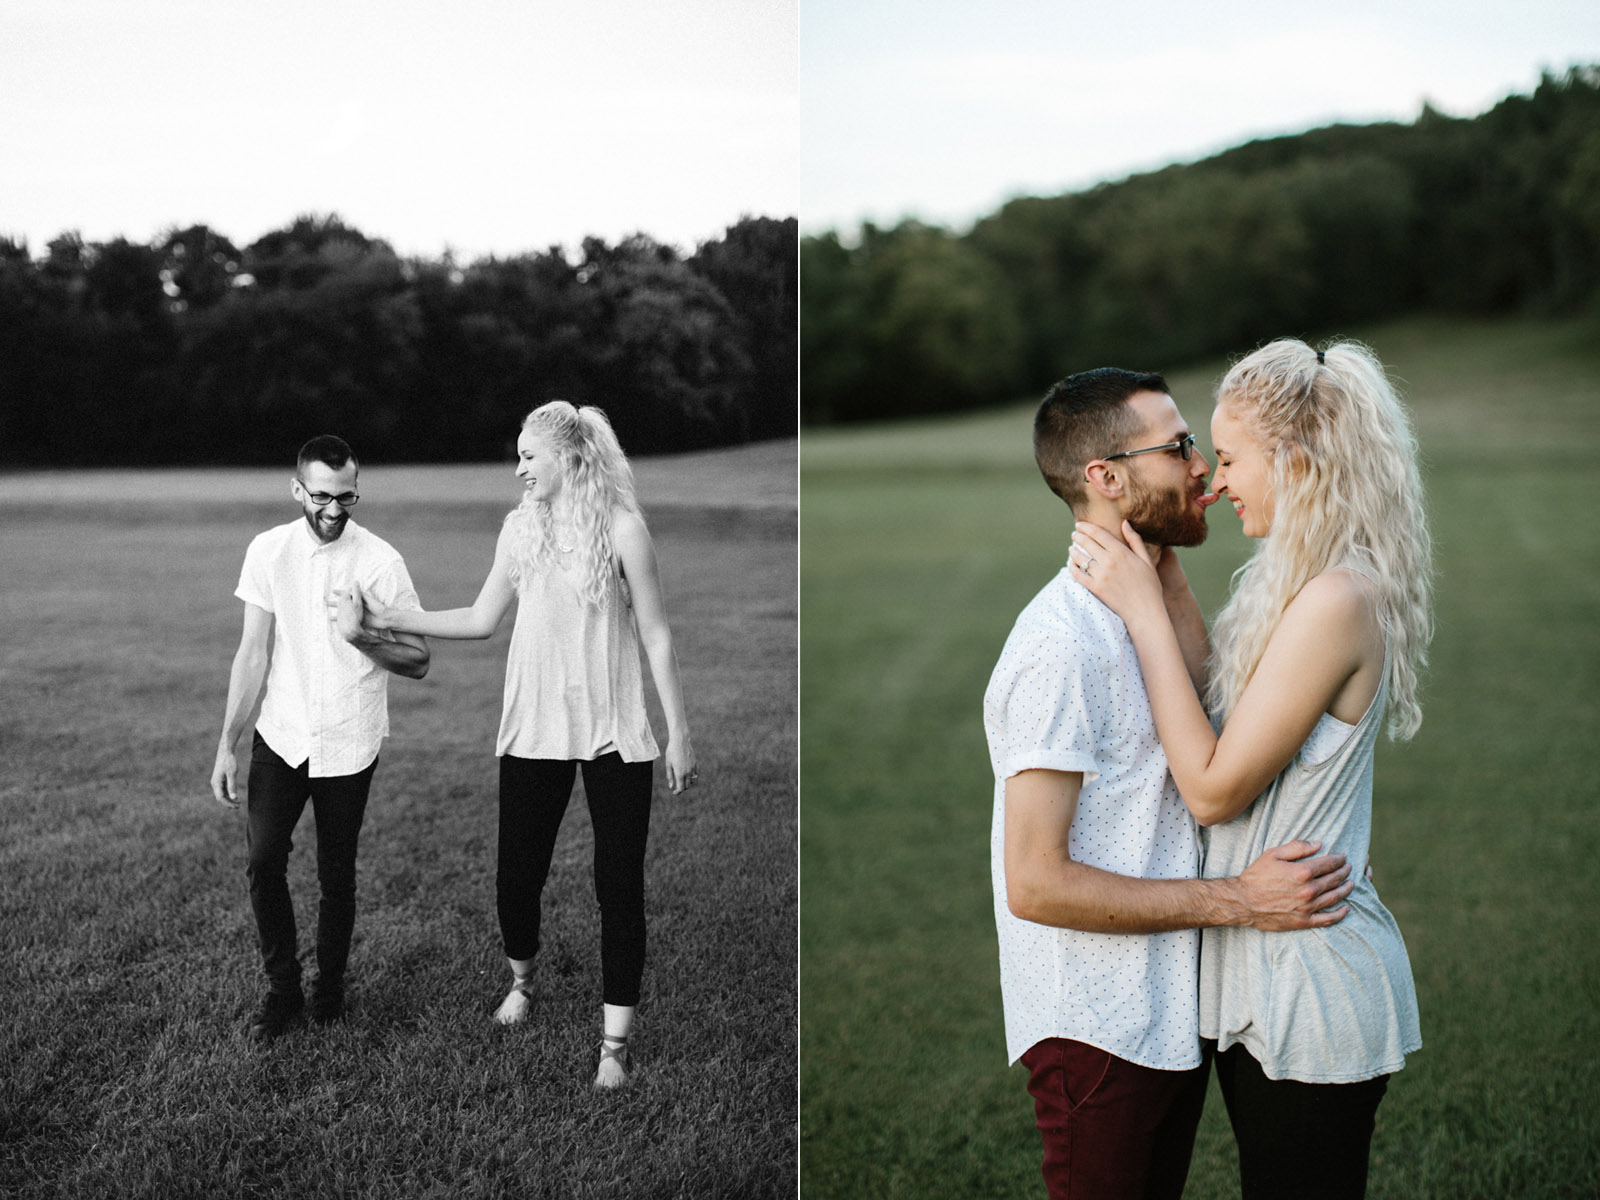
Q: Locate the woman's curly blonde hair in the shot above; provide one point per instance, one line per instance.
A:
(598, 483)
(1348, 492)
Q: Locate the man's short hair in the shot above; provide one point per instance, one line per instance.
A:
(1082, 418)
(326, 449)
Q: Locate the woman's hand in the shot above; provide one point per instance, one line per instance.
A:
(376, 617)
(1118, 571)
(344, 607)
(681, 771)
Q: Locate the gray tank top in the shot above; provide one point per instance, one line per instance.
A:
(574, 688)
(1333, 1005)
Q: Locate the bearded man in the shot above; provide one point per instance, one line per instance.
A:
(1093, 856)
(321, 681)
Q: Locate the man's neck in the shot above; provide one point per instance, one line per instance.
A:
(1112, 524)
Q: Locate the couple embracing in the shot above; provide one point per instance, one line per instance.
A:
(1182, 820)
(330, 613)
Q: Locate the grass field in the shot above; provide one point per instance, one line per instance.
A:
(127, 959)
(919, 545)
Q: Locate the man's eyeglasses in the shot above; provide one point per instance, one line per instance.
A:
(348, 499)
(1184, 446)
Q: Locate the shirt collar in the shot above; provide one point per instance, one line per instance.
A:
(312, 545)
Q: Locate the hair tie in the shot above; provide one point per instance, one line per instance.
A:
(1320, 360)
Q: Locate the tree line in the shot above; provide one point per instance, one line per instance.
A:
(1292, 235)
(192, 350)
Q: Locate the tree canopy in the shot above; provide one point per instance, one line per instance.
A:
(192, 350)
(1289, 235)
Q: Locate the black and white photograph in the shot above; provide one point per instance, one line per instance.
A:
(398, 518)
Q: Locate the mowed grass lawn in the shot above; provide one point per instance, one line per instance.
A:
(127, 955)
(919, 545)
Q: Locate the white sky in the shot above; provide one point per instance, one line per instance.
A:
(943, 110)
(489, 126)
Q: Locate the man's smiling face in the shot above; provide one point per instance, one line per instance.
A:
(317, 480)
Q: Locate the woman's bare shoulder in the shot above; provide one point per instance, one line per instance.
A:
(1340, 602)
(628, 529)
(1340, 588)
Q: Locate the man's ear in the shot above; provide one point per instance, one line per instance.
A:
(1101, 477)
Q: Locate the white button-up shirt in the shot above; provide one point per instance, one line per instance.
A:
(326, 702)
(1067, 695)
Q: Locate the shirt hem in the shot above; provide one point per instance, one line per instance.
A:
(1280, 1073)
(1100, 1045)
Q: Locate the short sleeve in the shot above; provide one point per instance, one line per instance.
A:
(392, 588)
(255, 585)
(1054, 713)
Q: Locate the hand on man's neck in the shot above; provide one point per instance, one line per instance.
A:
(1111, 522)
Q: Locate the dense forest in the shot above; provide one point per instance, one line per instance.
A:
(1299, 235)
(192, 350)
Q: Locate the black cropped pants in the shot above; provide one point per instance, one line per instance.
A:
(533, 799)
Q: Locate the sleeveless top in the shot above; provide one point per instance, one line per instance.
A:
(1333, 1005)
(574, 689)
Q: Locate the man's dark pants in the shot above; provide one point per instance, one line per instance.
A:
(1112, 1128)
(278, 795)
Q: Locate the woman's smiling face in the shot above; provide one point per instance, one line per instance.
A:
(1243, 473)
(537, 467)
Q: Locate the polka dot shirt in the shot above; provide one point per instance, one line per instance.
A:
(1067, 695)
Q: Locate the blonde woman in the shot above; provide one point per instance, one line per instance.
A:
(1323, 636)
(577, 557)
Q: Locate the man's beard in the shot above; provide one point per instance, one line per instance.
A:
(322, 534)
(1168, 518)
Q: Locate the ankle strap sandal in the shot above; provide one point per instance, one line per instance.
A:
(617, 1054)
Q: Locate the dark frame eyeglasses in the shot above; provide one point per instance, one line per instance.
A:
(1184, 446)
(345, 499)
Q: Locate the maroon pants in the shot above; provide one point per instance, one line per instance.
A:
(1112, 1128)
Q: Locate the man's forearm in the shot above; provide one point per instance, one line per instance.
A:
(1075, 896)
(245, 681)
(400, 658)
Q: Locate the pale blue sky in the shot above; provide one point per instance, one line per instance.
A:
(944, 110)
(485, 125)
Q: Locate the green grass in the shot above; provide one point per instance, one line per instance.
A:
(127, 959)
(920, 543)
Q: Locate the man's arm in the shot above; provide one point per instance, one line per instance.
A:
(1283, 889)
(406, 655)
(248, 677)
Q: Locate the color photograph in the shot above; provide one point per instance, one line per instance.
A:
(1136, 866)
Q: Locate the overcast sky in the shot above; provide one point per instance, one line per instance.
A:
(489, 126)
(497, 126)
(945, 110)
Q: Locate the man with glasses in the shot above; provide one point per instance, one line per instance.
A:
(322, 719)
(1093, 855)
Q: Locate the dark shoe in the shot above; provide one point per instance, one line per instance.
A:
(279, 1013)
(327, 1008)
